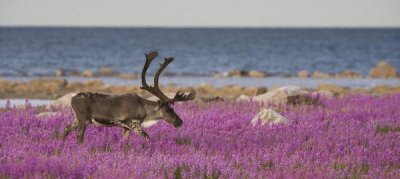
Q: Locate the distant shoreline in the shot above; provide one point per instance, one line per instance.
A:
(207, 88)
(184, 81)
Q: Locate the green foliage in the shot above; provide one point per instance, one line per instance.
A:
(269, 165)
(386, 129)
(177, 173)
(183, 141)
(339, 166)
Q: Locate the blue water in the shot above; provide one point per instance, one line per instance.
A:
(40, 51)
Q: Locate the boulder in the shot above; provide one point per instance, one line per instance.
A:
(348, 74)
(220, 74)
(243, 97)
(319, 74)
(383, 70)
(237, 73)
(269, 116)
(107, 71)
(254, 91)
(87, 73)
(64, 101)
(323, 93)
(281, 95)
(303, 74)
(256, 74)
(59, 73)
(47, 114)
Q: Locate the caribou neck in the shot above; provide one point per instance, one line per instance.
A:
(151, 108)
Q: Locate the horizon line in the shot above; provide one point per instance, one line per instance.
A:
(199, 27)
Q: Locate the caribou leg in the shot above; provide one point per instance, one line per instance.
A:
(125, 133)
(81, 130)
(83, 121)
(125, 126)
(134, 125)
(70, 127)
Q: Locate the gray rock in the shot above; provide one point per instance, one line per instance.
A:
(237, 73)
(280, 95)
(47, 114)
(243, 97)
(59, 73)
(319, 74)
(64, 101)
(383, 70)
(303, 74)
(323, 93)
(87, 73)
(256, 74)
(269, 116)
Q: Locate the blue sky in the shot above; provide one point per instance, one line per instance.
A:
(201, 13)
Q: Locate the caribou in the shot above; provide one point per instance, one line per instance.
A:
(129, 110)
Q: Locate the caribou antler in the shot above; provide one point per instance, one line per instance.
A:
(184, 97)
(155, 90)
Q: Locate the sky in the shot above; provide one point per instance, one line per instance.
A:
(201, 13)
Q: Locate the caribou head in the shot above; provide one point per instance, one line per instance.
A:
(164, 108)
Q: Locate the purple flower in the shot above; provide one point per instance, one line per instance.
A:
(355, 136)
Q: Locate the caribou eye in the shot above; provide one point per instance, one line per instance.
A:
(162, 104)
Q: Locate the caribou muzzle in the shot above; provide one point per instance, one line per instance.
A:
(178, 123)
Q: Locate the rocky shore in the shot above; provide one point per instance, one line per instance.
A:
(55, 87)
(381, 70)
(52, 88)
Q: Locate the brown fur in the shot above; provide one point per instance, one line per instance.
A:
(127, 111)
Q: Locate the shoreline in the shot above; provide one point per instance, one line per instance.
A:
(22, 102)
(184, 81)
(206, 87)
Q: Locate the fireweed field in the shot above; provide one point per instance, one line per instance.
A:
(355, 136)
